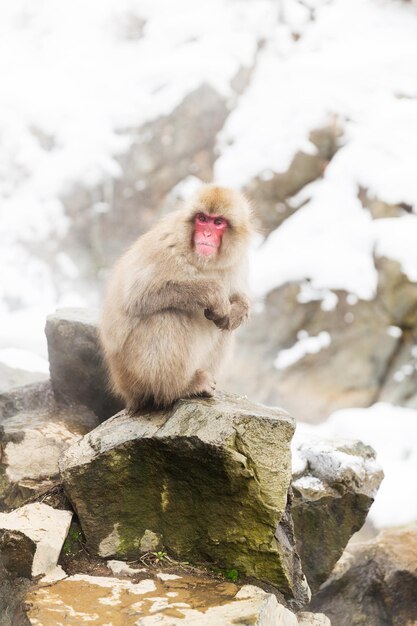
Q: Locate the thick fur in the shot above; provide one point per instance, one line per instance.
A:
(169, 313)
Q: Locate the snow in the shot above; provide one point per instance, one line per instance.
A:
(23, 359)
(77, 76)
(392, 432)
(341, 71)
(394, 331)
(396, 239)
(305, 345)
(75, 79)
(131, 62)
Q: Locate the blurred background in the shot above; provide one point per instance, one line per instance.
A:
(113, 112)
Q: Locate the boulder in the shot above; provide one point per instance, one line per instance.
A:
(32, 441)
(44, 527)
(78, 372)
(374, 583)
(369, 355)
(210, 478)
(334, 485)
(164, 600)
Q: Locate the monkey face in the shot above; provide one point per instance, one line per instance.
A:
(208, 233)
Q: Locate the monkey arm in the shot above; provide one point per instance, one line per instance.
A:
(187, 295)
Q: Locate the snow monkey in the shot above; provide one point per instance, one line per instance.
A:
(174, 299)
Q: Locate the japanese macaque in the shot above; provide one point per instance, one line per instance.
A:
(174, 299)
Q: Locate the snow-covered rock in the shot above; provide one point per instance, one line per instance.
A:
(335, 483)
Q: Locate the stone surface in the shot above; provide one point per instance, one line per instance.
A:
(210, 478)
(306, 618)
(78, 373)
(26, 398)
(46, 527)
(17, 552)
(334, 485)
(375, 583)
(32, 442)
(164, 600)
(12, 594)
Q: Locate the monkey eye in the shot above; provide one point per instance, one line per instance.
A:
(202, 218)
(220, 221)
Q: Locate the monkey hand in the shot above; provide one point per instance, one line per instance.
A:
(218, 312)
(239, 311)
(221, 321)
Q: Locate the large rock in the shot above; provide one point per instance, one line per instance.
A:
(32, 442)
(345, 370)
(164, 600)
(78, 372)
(209, 479)
(375, 583)
(334, 485)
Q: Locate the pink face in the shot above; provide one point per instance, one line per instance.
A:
(208, 233)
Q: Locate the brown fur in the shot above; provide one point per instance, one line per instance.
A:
(168, 314)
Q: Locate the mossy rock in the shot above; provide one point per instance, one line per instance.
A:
(209, 478)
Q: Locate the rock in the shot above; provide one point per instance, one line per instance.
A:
(124, 569)
(13, 591)
(189, 600)
(78, 372)
(32, 442)
(313, 619)
(397, 293)
(400, 384)
(43, 525)
(210, 477)
(374, 583)
(26, 398)
(272, 197)
(334, 486)
(346, 372)
(17, 552)
(380, 209)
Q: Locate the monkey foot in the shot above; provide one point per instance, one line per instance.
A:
(203, 384)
